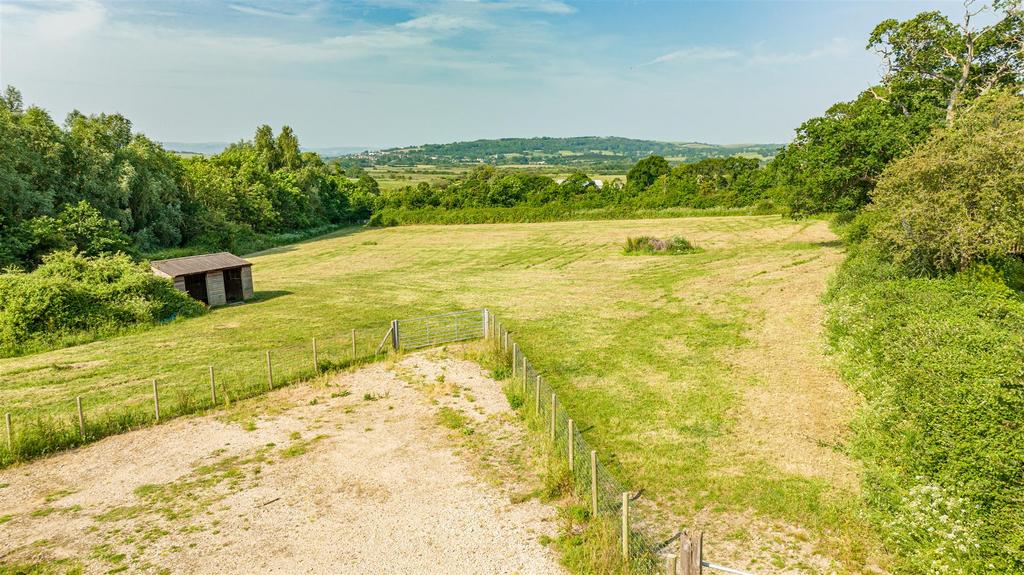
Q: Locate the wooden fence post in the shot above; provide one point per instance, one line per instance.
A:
(270, 372)
(554, 403)
(156, 401)
(213, 386)
(691, 552)
(353, 345)
(515, 357)
(593, 483)
(316, 359)
(572, 447)
(670, 564)
(10, 442)
(396, 340)
(625, 526)
(536, 395)
(81, 416)
(524, 369)
(487, 322)
(697, 552)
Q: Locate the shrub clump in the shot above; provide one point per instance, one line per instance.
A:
(646, 245)
(72, 297)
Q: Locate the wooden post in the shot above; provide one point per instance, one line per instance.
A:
(7, 421)
(213, 386)
(691, 552)
(593, 483)
(156, 401)
(625, 526)
(524, 369)
(536, 395)
(553, 405)
(353, 345)
(504, 345)
(270, 372)
(697, 552)
(572, 447)
(396, 341)
(316, 359)
(486, 326)
(515, 356)
(81, 416)
(670, 564)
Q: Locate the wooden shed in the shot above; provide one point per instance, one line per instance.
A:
(214, 279)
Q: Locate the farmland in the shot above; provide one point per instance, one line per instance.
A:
(701, 377)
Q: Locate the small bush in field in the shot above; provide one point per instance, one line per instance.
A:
(646, 245)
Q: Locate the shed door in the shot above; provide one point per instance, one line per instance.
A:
(195, 286)
(233, 285)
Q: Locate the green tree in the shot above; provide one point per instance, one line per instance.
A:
(959, 198)
(646, 171)
(929, 58)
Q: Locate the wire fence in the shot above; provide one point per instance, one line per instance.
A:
(605, 494)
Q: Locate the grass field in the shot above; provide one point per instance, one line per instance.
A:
(700, 377)
(392, 177)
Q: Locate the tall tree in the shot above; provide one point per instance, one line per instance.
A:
(929, 57)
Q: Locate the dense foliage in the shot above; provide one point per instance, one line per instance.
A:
(72, 298)
(96, 186)
(651, 184)
(940, 363)
(605, 153)
(646, 245)
(958, 198)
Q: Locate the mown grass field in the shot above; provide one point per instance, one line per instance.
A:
(700, 377)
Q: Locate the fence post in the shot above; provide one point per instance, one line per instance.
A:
(270, 372)
(536, 396)
(156, 401)
(504, 344)
(515, 356)
(697, 552)
(691, 552)
(524, 369)
(213, 386)
(625, 526)
(316, 359)
(670, 564)
(353, 345)
(81, 416)
(553, 405)
(593, 483)
(572, 446)
(396, 341)
(487, 324)
(10, 443)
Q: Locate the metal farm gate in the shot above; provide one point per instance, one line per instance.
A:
(433, 330)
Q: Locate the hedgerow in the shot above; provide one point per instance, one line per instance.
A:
(76, 297)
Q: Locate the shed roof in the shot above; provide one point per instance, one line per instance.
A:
(198, 264)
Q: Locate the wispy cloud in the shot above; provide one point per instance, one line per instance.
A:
(543, 6)
(253, 10)
(695, 54)
(58, 22)
(837, 47)
(444, 23)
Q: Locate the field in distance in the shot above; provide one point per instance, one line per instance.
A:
(700, 377)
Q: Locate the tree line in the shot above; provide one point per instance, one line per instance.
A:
(94, 186)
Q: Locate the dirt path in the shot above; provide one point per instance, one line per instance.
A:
(389, 469)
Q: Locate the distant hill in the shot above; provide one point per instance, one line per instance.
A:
(211, 148)
(588, 151)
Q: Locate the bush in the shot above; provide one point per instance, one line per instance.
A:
(940, 363)
(72, 297)
(959, 197)
(646, 245)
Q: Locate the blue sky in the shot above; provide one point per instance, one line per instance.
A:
(394, 72)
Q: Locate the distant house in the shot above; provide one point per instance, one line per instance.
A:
(214, 279)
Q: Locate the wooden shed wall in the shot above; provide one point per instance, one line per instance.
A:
(246, 282)
(215, 288)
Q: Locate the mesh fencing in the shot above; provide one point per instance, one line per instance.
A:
(181, 388)
(592, 480)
